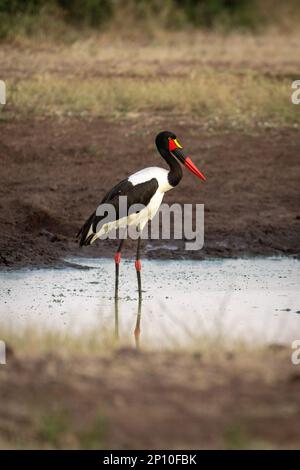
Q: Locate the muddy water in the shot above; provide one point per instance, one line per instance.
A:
(257, 300)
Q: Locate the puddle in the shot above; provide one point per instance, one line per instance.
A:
(257, 300)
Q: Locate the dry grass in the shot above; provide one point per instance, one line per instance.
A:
(272, 51)
(33, 341)
(234, 80)
(212, 95)
(240, 399)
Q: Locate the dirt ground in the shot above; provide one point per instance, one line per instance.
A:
(55, 171)
(188, 400)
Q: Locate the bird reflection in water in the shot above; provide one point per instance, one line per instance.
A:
(137, 329)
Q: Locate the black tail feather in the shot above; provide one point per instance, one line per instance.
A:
(84, 239)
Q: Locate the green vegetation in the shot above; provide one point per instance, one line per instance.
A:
(236, 437)
(53, 427)
(94, 438)
(56, 430)
(37, 17)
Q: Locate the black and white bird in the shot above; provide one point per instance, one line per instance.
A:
(146, 187)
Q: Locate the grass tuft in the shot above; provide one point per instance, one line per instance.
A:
(225, 96)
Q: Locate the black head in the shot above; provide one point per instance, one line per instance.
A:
(168, 146)
(163, 138)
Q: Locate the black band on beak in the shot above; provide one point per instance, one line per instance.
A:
(179, 154)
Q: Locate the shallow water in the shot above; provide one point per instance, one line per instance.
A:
(257, 300)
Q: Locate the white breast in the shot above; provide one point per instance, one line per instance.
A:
(152, 172)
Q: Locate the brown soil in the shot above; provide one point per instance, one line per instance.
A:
(55, 172)
(188, 400)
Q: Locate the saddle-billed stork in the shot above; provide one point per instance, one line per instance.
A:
(146, 187)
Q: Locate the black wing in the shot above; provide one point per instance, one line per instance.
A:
(136, 194)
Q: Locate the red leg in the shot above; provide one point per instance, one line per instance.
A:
(138, 267)
(117, 264)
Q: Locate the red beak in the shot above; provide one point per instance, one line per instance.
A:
(193, 169)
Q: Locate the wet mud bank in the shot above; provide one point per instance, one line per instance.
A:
(52, 183)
